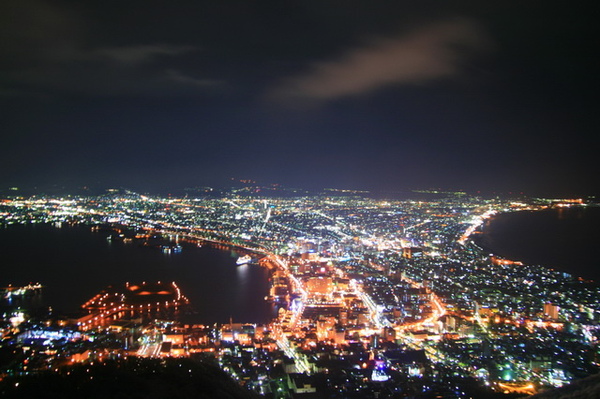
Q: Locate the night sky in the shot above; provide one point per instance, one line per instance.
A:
(154, 95)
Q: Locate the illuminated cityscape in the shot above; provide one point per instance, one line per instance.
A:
(298, 199)
(376, 298)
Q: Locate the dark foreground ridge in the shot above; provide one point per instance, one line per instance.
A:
(128, 378)
(586, 388)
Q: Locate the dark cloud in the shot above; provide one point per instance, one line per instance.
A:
(48, 52)
(141, 54)
(34, 31)
(179, 77)
(430, 53)
(372, 94)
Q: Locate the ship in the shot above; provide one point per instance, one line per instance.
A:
(167, 249)
(242, 260)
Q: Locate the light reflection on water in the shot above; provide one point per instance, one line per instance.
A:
(563, 238)
(74, 264)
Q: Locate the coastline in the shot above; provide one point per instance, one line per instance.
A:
(68, 250)
(555, 238)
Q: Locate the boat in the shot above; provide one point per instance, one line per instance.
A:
(167, 249)
(242, 260)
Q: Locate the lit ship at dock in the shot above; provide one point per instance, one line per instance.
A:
(242, 260)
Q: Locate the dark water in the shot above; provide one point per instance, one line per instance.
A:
(567, 239)
(74, 263)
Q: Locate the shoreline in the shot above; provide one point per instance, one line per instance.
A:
(481, 237)
(183, 268)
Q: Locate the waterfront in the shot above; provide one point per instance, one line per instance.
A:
(563, 238)
(365, 277)
(74, 263)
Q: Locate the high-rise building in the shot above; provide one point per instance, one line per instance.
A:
(551, 311)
